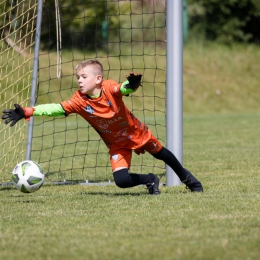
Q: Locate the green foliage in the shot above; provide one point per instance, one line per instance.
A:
(225, 21)
(4, 17)
(83, 23)
(17, 20)
(2, 8)
(92, 24)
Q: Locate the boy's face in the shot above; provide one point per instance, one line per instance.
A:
(88, 81)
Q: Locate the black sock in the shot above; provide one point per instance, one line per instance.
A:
(123, 179)
(169, 158)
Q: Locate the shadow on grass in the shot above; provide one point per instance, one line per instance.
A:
(100, 193)
(7, 188)
(134, 194)
(27, 201)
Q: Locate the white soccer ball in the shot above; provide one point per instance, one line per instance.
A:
(28, 176)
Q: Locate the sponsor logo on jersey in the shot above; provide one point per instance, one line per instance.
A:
(120, 139)
(123, 123)
(114, 120)
(122, 132)
(104, 131)
(104, 123)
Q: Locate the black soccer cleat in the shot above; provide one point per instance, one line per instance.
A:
(192, 183)
(153, 184)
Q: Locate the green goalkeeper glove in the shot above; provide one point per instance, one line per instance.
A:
(133, 81)
(14, 115)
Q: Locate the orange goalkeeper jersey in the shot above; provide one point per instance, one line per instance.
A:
(109, 116)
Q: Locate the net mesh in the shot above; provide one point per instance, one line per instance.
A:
(125, 36)
(17, 30)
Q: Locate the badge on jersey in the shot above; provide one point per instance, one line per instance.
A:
(109, 103)
(115, 157)
(89, 109)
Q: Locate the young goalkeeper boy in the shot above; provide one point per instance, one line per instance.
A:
(100, 102)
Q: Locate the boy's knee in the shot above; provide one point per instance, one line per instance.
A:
(122, 178)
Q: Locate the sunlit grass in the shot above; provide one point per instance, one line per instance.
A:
(106, 222)
(220, 79)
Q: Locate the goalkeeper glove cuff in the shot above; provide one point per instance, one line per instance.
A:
(28, 112)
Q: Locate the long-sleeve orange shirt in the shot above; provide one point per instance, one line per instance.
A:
(109, 116)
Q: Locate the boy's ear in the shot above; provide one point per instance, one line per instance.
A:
(99, 79)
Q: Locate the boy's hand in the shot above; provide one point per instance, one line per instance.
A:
(14, 115)
(134, 80)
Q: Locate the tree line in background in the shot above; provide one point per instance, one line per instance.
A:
(225, 21)
(84, 23)
(93, 23)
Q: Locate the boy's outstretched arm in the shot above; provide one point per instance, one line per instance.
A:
(131, 84)
(14, 115)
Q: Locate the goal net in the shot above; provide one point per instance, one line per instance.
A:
(17, 33)
(125, 36)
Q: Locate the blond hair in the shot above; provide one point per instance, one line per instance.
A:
(96, 65)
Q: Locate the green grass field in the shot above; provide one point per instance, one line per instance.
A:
(221, 148)
(105, 222)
